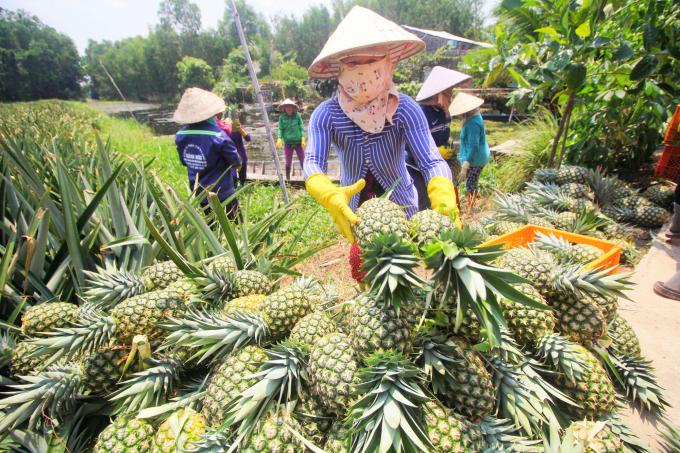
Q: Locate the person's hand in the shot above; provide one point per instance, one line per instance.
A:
(336, 201)
(240, 129)
(440, 191)
(445, 152)
(463, 171)
(279, 143)
(239, 168)
(304, 142)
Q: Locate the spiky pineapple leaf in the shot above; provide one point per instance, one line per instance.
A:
(624, 432)
(436, 360)
(557, 352)
(640, 383)
(671, 437)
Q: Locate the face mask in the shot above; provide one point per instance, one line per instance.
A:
(365, 82)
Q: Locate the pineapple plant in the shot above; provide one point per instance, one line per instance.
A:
(624, 338)
(48, 317)
(426, 226)
(661, 195)
(572, 174)
(378, 216)
(126, 435)
(188, 429)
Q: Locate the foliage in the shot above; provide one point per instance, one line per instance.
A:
(194, 72)
(410, 88)
(184, 17)
(305, 37)
(36, 62)
(289, 70)
(235, 67)
(413, 69)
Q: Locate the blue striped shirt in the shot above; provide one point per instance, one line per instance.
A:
(382, 153)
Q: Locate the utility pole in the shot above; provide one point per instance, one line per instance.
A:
(123, 97)
(342, 16)
(256, 86)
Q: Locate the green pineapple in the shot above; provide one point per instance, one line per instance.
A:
(161, 275)
(251, 302)
(272, 436)
(338, 438)
(580, 319)
(568, 251)
(527, 324)
(141, 314)
(193, 427)
(502, 228)
(661, 195)
(618, 233)
(648, 216)
(622, 192)
(454, 162)
(21, 363)
(248, 282)
(184, 287)
(311, 328)
(572, 174)
(104, 369)
(333, 372)
(451, 432)
(314, 419)
(231, 378)
(125, 435)
(427, 225)
(48, 317)
(285, 308)
(594, 391)
(633, 202)
(528, 266)
(624, 338)
(376, 327)
(378, 216)
(575, 190)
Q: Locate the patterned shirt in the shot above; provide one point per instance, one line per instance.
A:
(382, 153)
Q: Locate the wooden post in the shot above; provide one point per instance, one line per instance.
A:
(342, 16)
(123, 97)
(256, 86)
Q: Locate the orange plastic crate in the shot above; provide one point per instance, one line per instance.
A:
(673, 132)
(669, 165)
(527, 234)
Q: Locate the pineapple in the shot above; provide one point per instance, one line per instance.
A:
(250, 282)
(314, 419)
(141, 314)
(624, 338)
(487, 220)
(285, 308)
(454, 162)
(501, 228)
(48, 317)
(572, 174)
(528, 266)
(660, 195)
(583, 253)
(633, 202)
(545, 175)
(338, 438)
(451, 432)
(378, 216)
(567, 251)
(376, 327)
(192, 430)
(475, 396)
(469, 328)
(579, 318)
(649, 216)
(311, 328)
(272, 436)
(596, 437)
(575, 190)
(21, 363)
(527, 324)
(104, 369)
(427, 225)
(252, 302)
(618, 233)
(184, 287)
(161, 275)
(333, 372)
(621, 193)
(125, 435)
(231, 378)
(594, 391)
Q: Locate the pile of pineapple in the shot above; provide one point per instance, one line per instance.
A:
(581, 201)
(492, 352)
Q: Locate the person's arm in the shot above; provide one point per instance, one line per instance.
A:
(473, 139)
(280, 134)
(319, 146)
(302, 126)
(179, 147)
(229, 152)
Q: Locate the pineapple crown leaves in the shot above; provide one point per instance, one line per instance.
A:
(92, 331)
(386, 418)
(8, 344)
(214, 441)
(559, 354)
(640, 383)
(511, 207)
(498, 436)
(524, 397)
(671, 437)
(508, 350)
(52, 393)
(566, 444)
(150, 387)
(459, 269)
(624, 432)
(191, 395)
(603, 187)
(578, 279)
(390, 263)
(436, 360)
(551, 242)
(108, 288)
(216, 283)
(215, 334)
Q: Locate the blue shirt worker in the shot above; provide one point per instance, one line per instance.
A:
(368, 122)
(205, 149)
(474, 150)
(435, 99)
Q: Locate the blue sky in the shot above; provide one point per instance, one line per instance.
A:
(116, 19)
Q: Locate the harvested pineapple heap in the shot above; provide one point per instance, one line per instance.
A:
(581, 201)
(496, 350)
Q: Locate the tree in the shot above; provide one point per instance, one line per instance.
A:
(36, 62)
(194, 72)
(305, 37)
(253, 23)
(181, 15)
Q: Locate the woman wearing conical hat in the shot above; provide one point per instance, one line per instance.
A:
(435, 99)
(368, 122)
(474, 151)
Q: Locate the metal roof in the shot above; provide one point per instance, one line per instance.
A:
(447, 36)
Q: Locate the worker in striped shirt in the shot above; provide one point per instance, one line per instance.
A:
(368, 122)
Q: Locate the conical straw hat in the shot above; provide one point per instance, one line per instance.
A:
(440, 79)
(463, 103)
(359, 31)
(197, 105)
(288, 101)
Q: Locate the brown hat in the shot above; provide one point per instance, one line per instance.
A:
(361, 31)
(197, 105)
(288, 101)
(463, 103)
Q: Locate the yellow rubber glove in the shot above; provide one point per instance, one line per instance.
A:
(440, 190)
(304, 142)
(279, 143)
(240, 129)
(445, 152)
(336, 201)
(239, 168)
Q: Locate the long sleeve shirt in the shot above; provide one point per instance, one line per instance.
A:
(440, 127)
(473, 146)
(208, 153)
(291, 129)
(382, 153)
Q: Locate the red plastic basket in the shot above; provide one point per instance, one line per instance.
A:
(669, 165)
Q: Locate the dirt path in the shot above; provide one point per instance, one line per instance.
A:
(656, 322)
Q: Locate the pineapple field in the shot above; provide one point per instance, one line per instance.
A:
(134, 322)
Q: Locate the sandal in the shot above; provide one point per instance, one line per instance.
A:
(668, 293)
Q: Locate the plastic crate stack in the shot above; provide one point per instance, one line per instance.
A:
(669, 165)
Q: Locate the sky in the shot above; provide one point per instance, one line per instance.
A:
(117, 19)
